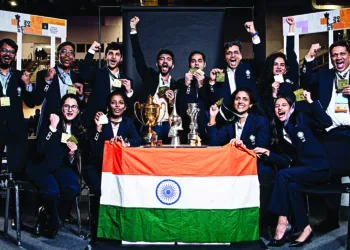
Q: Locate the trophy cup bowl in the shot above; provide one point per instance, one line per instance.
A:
(148, 117)
(192, 112)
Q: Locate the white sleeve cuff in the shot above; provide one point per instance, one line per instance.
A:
(130, 94)
(91, 51)
(256, 40)
(29, 87)
(133, 32)
(291, 34)
(53, 130)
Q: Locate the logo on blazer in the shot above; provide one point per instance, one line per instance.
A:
(46, 88)
(301, 136)
(289, 81)
(304, 69)
(19, 91)
(252, 139)
(248, 73)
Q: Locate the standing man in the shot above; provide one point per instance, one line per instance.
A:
(15, 88)
(53, 83)
(333, 91)
(194, 88)
(104, 81)
(154, 82)
(237, 74)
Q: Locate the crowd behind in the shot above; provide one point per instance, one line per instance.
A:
(296, 120)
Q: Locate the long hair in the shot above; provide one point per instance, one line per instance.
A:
(267, 77)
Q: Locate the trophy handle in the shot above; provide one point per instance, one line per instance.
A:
(137, 104)
(165, 110)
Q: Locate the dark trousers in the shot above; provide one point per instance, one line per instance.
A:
(287, 195)
(58, 190)
(266, 174)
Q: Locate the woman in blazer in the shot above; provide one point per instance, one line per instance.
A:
(304, 161)
(55, 175)
(118, 129)
(251, 130)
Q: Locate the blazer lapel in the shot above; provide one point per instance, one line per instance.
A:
(246, 127)
(327, 90)
(109, 130)
(121, 128)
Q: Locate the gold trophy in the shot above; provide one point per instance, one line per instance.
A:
(149, 114)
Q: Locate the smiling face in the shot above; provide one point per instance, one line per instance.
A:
(117, 106)
(165, 63)
(340, 58)
(7, 55)
(241, 102)
(197, 62)
(66, 56)
(70, 109)
(113, 58)
(279, 66)
(282, 108)
(233, 56)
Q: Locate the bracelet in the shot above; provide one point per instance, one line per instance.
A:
(133, 28)
(255, 34)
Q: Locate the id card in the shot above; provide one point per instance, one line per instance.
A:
(220, 77)
(72, 90)
(299, 95)
(103, 119)
(341, 104)
(5, 101)
(117, 83)
(65, 137)
(341, 83)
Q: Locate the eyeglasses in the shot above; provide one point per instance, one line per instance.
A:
(8, 51)
(67, 52)
(66, 107)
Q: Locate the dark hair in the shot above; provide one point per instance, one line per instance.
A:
(267, 78)
(193, 53)
(237, 43)
(9, 42)
(65, 44)
(114, 93)
(114, 46)
(76, 127)
(341, 43)
(166, 51)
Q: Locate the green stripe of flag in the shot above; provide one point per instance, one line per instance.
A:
(180, 225)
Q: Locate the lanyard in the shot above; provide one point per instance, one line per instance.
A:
(342, 77)
(5, 84)
(112, 75)
(63, 79)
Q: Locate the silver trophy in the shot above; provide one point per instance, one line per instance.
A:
(192, 112)
(175, 122)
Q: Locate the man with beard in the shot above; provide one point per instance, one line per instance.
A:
(53, 83)
(237, 74)
(158, 84)
(104, 81)
(332, 88)
(15, 88)
(194, 88)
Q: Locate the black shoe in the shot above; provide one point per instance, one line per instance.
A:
(40, 222)
(325, 226)
(301, 243)
(283, 240)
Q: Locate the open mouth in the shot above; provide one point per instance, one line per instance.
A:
(281, 114)
(117, 110)
(165, 67)
(70, 115)
(6, 59)
(340, 64)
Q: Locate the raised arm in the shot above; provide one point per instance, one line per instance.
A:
(292, 59)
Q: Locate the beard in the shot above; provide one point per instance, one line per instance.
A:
(162, 66)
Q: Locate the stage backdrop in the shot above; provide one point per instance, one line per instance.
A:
(179, 29)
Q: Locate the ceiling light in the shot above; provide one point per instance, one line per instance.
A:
(13, 3)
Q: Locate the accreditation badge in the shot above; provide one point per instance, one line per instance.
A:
(72, 90)
(65, 137)
(341, 83)
(5, 101)
(117, 83)
(341, 104)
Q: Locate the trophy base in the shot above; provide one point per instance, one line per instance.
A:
(192, 137)
(147, 138)
(175, 141)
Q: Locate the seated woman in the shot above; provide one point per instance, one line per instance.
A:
(304, 161)
(118, 129)
(54, 175)
(280, 75)
(252, 131)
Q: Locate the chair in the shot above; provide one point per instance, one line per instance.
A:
(330, 189)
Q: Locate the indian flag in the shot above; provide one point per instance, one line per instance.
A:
(192, 195)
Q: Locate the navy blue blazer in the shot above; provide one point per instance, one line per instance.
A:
(99, 79)
(320, 84)
(51, 93)
(305, 149)
(256, 133)
(12, 117)
(149, 76)
(244, 77)
(126, 129)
